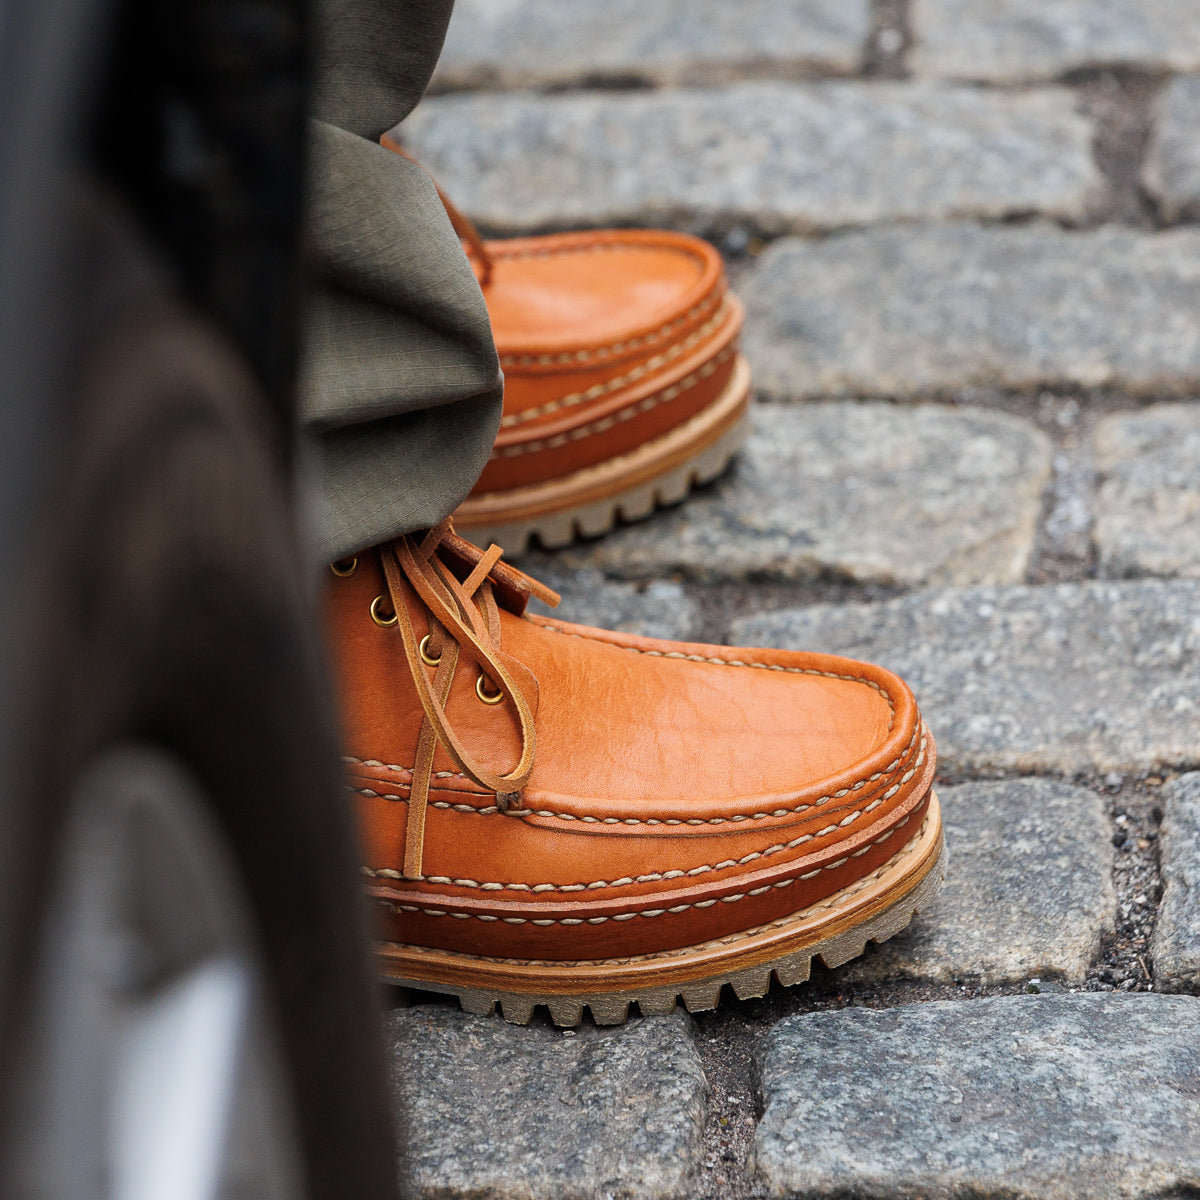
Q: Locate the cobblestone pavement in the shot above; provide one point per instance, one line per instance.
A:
(962, 229)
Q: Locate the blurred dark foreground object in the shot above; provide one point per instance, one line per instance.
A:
(186, 1007)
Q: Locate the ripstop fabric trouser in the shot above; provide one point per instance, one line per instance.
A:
(401, 386)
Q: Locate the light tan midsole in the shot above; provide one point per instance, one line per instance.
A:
(615, 475)
(808, 930)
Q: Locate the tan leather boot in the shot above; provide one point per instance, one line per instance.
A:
(623, 385)
(560, 815)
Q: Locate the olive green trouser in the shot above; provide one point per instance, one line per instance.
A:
(401, 386)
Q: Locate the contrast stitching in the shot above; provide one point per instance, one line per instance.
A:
(637, 343)
(603, 424)
(837, 900)
(349, 760)
(729, 662)
(397, 798)
(654, 877)
(505, 249)
(397, 909)
(619, 381)
(841, 793)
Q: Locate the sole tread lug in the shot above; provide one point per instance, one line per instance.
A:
(657, 1004)
(843, 951)
(702, 997)
(638, 505)
(609, 1010)
(565, 1011)
(478, 1004)
(517, 1009)
(796, 968)
(749, 985)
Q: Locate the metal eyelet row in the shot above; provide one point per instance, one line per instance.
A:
(385, 619)
(343, 568)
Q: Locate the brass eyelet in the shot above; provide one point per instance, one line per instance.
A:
(344, 567)
(487, 697)
(426, 657)
(382, 619)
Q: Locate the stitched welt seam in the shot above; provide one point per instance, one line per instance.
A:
(603, 424)
(490, 810)
(657, 876)
(612, 385)
(397, 909)
(837, 900)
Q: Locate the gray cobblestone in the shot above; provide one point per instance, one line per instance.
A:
(1053, 1097)
(655, 608)
(536, 43)
(1176, 944)
(772, 156)
(1148, 507)
(871, 492)
(1172, 170)
(520, 1113)
(1074, 677)
(1029, 893)
(901, 312)
(1014, 41)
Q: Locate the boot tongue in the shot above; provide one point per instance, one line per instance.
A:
(511, 587)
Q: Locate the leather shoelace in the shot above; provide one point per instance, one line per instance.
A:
(461, 223)
(464, 621)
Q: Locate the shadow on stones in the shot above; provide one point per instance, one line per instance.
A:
(1121, 104)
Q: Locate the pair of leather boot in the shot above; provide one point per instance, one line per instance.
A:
(560, 815)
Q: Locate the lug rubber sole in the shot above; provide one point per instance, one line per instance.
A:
(834, 930)
(589, 502)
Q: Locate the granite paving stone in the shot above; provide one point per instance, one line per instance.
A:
(872, 492)
(519, 1113)
(909, 311)
(769, 156)
(658, 608)
(1148, 506)
(1176, 944)
(1015, 41)
(1029, 893)
(1172, 171)
(539, 43)
(1056, 679)
(1051, 1097)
